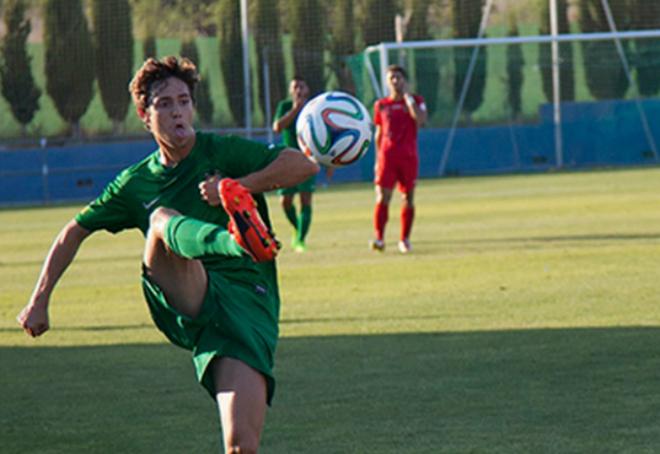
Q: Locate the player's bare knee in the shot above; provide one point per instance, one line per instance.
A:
(161, 215)
(383, 198)
(241, 439)
(383, 195)
(243, 444)
(158, 220)
(154, 246)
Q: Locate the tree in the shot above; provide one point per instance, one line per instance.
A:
(113, 46)
(342, 42)
(377, 25)
(566, 73)
(307, 41)
(427, 66)
(203, 101)
(231, 57)
(467, 18)
(514, 65)
(199, 13)
(646, 15)
(18, 86)
(69, 60)
(606, 78)
(175, 17)
(149, 47)
(378, 21)
(148, 17)
(268, 39)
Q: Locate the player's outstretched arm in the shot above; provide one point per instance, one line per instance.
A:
(288, 169)
(34, 316)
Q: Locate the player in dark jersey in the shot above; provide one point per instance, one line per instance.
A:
(204, 291)
(286, 116)
(397, 118)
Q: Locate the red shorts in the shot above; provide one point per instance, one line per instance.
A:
(392, 170)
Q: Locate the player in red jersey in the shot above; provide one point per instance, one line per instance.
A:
(397, 118)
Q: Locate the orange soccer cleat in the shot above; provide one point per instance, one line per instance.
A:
(245, 224)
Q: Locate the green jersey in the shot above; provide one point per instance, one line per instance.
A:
(288, 134)
(238, 317)
(128, 201)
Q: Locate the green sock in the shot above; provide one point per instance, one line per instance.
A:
(291, 215)
(191, 238)
(304, 221)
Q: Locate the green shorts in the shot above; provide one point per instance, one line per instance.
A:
(309, 185)
(238, 320)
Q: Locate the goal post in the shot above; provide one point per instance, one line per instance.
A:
(617, 53)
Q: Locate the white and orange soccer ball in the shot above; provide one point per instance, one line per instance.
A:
(335, 129)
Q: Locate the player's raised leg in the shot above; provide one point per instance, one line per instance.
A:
(241, 396)
(182, 280)
(191, 238)
(175, 241)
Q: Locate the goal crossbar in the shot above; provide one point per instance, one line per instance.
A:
(471, 42)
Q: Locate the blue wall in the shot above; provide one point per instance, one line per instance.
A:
(608, 133)
(594, 134)
(59, 174)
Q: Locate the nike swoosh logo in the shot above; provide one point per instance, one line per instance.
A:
(147, 205)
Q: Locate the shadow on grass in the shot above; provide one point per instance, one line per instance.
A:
(90, 328)
(546, 390)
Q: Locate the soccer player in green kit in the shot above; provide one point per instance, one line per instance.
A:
(286, 115)
(204, 291)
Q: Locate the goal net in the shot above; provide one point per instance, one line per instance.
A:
(530, 103)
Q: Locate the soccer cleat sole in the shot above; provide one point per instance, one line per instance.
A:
(245, 225)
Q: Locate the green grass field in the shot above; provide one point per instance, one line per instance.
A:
(526, 320)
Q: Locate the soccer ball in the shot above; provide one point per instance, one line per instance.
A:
(334, 128)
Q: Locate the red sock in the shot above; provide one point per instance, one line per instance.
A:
(407, 216)
(380, 219)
